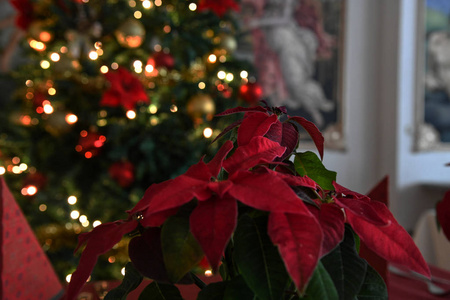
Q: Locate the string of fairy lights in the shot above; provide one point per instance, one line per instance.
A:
(144, 70)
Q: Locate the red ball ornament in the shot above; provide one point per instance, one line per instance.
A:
(163, 60)
(122, 172)
(251, 92)
(90, 143)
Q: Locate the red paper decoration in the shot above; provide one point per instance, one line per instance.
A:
(26, 272)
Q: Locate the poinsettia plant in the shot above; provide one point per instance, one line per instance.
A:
(271, 220)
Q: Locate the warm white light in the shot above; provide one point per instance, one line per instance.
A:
(48, 109)
(131, 114)
(82, 219)
(173, 108)
(229, 77)
(221, 75)
(42, 207)
(96, 223)
(137, 14)
(149, 68)
(192, 6)
(104, 69)
(45, 64)
(54, 57)
(114, 66)
(137, 64)
(93, 55)
(74, 214)
(71, 118)
(201, 85)
(72, 200)
(132, 3)
(51, 91)
(212, 58)
(153, 109)
(207, 132)
(68, 277)
(2, 170)
(23, 167)
(208, 273)
(16, 170)
(244, 74)
(31, 190)
(158, 2)
(123, 271)
(147, 4)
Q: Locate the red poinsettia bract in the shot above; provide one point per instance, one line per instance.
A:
(218, 7)
(125, 90)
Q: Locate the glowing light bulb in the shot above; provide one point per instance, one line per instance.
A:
(229, 77)
(2, 170)
(48, 109)
(68, 277)
(72, 200)
(207, 132)
(208, 273)
(45, 64)
(243, 74)
(74, 214)
(93, 55)
(147, 4)
(54, 57)
(114, 66)
(173, 108)
(192, 6)
(82, 218)
(122, 271)
(71, 119)
(212, 58)
(137, 15)
(201, 85)
(104, 69)
(131, 114)
(221, 75)
(96, 223)
(42, 207)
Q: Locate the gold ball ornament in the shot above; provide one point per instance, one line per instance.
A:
(201, 107)
(130, 34)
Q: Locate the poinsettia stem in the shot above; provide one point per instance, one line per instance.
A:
(198, 282)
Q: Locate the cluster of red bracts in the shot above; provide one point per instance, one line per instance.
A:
(303, 232)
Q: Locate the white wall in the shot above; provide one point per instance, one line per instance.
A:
(379, 93)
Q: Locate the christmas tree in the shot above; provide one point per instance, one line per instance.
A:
(112, 96)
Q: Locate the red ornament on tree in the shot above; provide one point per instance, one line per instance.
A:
(218, 7)
(162, 60)
(90, 143)
(125, 90)
(251, 92)
(122, 172)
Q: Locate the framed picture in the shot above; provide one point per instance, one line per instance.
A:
(297, 49)
(433, 76)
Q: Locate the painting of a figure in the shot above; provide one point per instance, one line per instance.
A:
(295, 46)
(437, 66)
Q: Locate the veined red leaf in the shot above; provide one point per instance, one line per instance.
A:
(258, 150)
(212, 222)
(241, 109)
(313, 131)
(265, 191)
(443, 214)
(101, 239)
(289, 138)
(362, 209)
(332, 222)
(293, 180)
(255, 124)
(299, 239)
(215, 164)
(391, 242)
(275, 132)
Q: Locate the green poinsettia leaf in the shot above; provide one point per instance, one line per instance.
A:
(321, 286)
(258, 259)
(160, 291)
(308, 164)
(130, 282)
(373, 286)
(213, 291)
(180, 249)
(346, 268)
